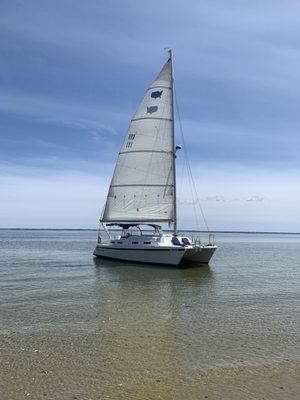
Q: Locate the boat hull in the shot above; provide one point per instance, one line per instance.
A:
(199, 254)
(153, 256)
(165, 256)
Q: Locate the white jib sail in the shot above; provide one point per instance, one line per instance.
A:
(142, 185)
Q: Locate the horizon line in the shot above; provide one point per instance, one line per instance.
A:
(167, 230)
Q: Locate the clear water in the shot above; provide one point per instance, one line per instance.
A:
(76, 327)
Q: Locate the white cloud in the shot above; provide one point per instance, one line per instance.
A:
(39, 198)
(251, 200)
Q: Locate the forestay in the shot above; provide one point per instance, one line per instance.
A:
(143, 181)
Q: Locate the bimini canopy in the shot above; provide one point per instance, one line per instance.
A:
(127, 226)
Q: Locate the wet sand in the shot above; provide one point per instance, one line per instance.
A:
(99, 367)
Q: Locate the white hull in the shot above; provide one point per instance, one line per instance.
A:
(154, 255)
(199, 254)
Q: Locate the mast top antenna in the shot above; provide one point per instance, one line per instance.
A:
(169, 49)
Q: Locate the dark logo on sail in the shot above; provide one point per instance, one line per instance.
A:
(157, 94)
(152, 109)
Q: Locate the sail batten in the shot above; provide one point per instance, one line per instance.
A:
(142, 185)
(159, 87)
(154, 118)
(144, 151)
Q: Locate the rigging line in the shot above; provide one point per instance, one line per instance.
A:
(181, 174)
(196, 200)
(189, 177)
(186, 175)
(188, 161)
(192, 194)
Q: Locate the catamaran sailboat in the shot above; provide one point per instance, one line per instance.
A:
(143, 187)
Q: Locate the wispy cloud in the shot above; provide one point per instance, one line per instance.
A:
(222, 39)
(35, 197)
(223, 199)
(230, 140)
(56, 112)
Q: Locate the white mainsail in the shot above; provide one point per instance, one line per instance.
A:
(142, 185)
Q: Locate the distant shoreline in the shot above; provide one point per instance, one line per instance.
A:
(166, 230)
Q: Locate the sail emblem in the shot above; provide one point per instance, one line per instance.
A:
(156, 94)
(152, 109)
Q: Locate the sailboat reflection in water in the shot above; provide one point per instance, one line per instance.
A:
(143, 187)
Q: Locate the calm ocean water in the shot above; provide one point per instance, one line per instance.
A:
(72, 325)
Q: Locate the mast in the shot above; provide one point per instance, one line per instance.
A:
(173, 144)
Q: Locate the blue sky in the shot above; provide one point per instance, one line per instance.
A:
(72, 74)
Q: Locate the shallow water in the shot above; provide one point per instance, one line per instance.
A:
(76, 327)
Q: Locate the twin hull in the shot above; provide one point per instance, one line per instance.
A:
(156, 255)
